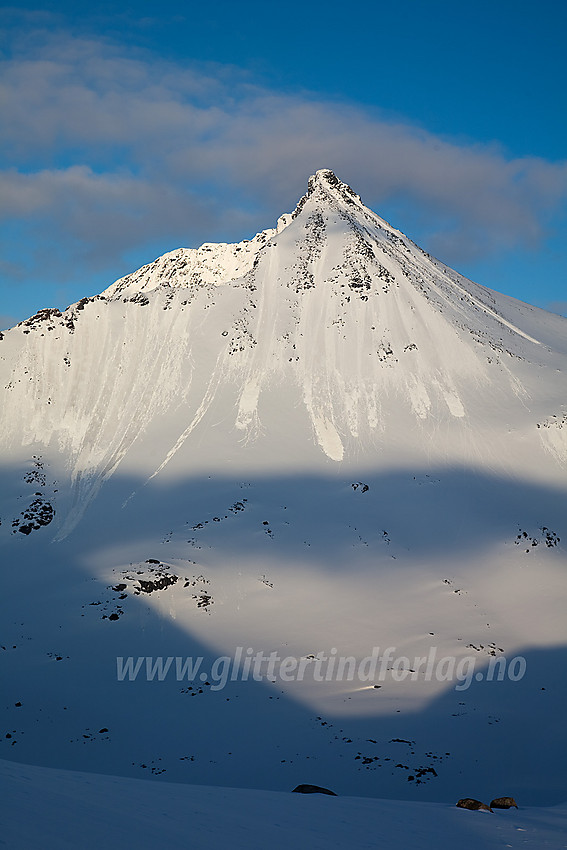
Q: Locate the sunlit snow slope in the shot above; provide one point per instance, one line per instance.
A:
(321, 440)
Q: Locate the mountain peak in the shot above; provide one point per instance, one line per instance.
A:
(333, 315)
(325, 186)
(325, 178)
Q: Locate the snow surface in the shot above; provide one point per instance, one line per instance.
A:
(46, 809)
(324, 442)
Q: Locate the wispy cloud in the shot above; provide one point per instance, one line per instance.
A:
(105, 148)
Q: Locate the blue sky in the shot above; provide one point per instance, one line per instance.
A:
(127, 134)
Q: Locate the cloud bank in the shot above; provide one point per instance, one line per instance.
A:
(105, 149)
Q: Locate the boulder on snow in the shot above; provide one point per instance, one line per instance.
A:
(313, 789)
(503, 803)
(473, 805)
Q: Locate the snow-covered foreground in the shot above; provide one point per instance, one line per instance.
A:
(321, 581)
(45, 809)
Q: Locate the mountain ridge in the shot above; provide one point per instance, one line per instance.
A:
(333, 304)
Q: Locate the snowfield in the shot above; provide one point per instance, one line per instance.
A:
(48, 808)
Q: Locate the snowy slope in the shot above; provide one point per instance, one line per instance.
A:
(338, 315)
(314, 443)
(73, 810)
(192, 267)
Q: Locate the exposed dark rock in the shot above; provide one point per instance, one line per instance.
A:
(313, 789)
(39, 513)
(363, 487)
(503, 803)
(473, 805)
(149, 585)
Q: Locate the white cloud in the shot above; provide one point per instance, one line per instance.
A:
(105, 148)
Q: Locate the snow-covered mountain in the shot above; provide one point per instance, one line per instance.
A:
(314, 443)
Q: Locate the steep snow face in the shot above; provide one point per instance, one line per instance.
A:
(330, 337)
(333, 321)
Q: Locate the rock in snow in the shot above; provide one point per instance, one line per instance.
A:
(313, 789)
